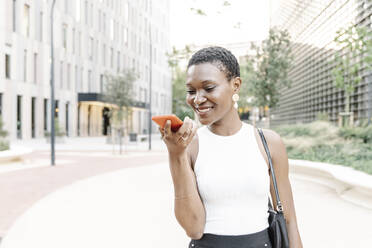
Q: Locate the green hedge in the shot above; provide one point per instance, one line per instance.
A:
(321, 141)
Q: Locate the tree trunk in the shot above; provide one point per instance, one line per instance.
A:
(347, 109)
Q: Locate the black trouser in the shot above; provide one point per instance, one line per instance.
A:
(254, 240)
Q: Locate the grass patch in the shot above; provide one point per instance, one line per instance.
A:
(321, 141)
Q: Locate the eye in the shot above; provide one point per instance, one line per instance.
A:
(209, 89)
(191, 92)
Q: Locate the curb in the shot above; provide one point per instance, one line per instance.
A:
(351, 185)
(14, 153)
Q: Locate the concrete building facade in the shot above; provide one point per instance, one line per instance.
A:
(91, 38)
(313, 26)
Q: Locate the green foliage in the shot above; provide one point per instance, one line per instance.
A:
(179, 92)
(362, 133)
(323, 142)
(247, 75)
(273, 61)
(58, 131)
(322, 116)
(355, 51)
(4, 144)
(119, 91)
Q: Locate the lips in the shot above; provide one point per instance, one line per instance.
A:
(202, 111)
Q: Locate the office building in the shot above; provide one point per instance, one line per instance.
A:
(91, 38)
(312, 26)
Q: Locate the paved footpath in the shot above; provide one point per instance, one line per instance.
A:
(97, 200)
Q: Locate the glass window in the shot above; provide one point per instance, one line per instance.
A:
(35, 67)
(25, 65)
(73, 40)
(45, 114)
(64, 35)
(26, 20)
(69, 76)
(90, 83)
(86, 12)
(14, 24)
(7, 66)
(41, 16)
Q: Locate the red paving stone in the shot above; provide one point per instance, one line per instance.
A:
(21, 189)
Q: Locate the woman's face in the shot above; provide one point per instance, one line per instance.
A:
(209, 92)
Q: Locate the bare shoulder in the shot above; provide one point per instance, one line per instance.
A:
(274, 142)
(193, 150)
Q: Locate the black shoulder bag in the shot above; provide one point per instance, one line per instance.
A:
(277, 224)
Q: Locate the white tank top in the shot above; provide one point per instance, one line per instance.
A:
(233, 182)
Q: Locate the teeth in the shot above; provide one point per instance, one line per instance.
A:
(204, 110)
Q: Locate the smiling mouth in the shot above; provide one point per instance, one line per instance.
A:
(204, 111)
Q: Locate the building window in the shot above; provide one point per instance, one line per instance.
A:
(79, 43)
(35, 68)
(91, 15)
(111, 57)
(26, 20)
(86, 12)
(104, 23)
(25, 65)
(46, 114)
(41, 26)
(90, 81)
(82, 80)
(91, 47)
(99, 20)
(19, 117)
(76, 78)
(118, 64)
(101, 83)
(67, 118)
(126, 36)
(66, 6)
(14, 23)
(69, 76)
(77, 11)
(33, 124)
(1, 104)
(64, 35)
(73, 40)
(104, 55)
(7, 66)
(112, 29)
(61, 76)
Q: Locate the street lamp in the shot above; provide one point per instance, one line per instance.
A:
(150, 89)
(52, 86)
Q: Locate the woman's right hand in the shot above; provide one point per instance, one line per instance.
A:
(177, 142)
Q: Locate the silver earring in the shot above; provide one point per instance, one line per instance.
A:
(235, 98)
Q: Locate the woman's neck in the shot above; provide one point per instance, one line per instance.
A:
(228, 125)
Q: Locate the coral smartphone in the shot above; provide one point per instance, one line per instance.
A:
(176, 123)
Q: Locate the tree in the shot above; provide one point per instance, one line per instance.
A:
(354, 52)
(119, 91)
(4, 144)
(247, 74)
(179, 105)
(272, 62)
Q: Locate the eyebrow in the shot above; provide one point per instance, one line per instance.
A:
(204, 82)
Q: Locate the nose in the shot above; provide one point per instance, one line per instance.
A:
(199, 99)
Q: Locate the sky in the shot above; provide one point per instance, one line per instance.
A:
(241, 21)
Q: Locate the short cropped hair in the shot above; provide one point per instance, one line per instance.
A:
(221, 57)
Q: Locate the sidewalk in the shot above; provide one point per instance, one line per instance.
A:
(91, 144)
(134, 208)
(24, 183)
(93, 198)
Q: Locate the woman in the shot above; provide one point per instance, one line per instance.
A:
(220, 171)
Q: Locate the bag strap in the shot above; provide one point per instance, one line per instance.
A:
(279, 206)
